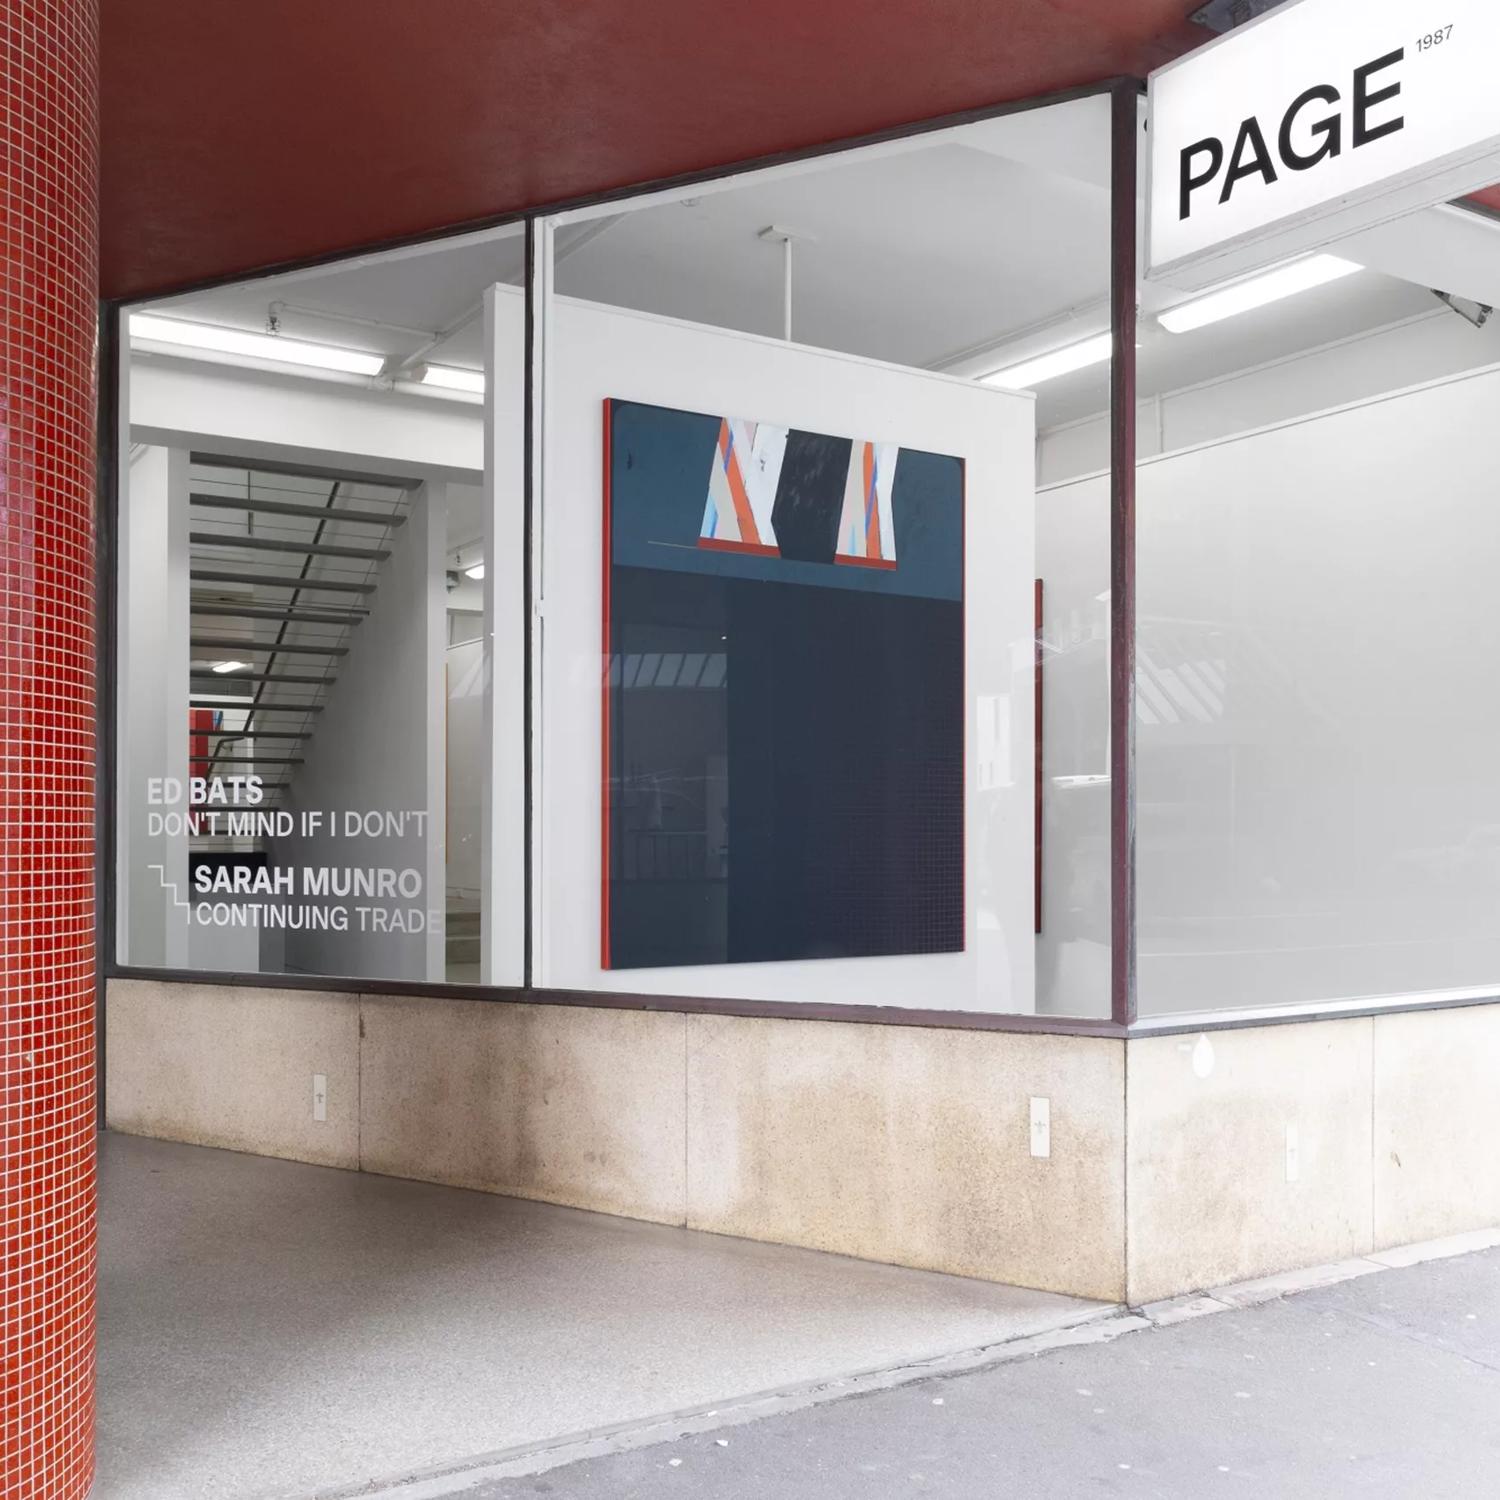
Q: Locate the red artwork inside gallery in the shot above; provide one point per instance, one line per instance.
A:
(201, 724)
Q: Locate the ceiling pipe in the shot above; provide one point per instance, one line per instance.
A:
(586, 234)
(275, 310)
(778, 234)
(408, 362)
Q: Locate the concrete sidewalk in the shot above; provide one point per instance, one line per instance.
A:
(1385, 1387)
(273, 1331)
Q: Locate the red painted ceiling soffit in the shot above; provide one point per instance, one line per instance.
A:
(237, 136)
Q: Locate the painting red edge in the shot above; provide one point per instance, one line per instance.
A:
(605, 655)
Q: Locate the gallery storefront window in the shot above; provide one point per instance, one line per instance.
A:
(307, 638)
(663, 598)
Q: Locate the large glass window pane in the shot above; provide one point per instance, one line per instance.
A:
(319, 591)
(1316, 726)
(791, 542)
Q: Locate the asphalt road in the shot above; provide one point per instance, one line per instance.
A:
(1382, 1388)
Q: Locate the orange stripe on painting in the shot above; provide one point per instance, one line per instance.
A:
(731, 460)
(872, 505)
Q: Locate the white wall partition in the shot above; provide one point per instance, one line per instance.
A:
(1428, 346)
(378, 753)
(1073, 946)
(594, 353)
(152, 661)
(466, 769)
(1319, 817)
(503, 807)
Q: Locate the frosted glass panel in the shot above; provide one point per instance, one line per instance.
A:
(1319, 726)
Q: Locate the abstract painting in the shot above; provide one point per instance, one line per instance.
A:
(783, 693)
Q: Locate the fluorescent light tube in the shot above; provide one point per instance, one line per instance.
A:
(451, 378)
(1062, 361)
(253, 345)
(476, 572)
(1284, 281)
(228, 666)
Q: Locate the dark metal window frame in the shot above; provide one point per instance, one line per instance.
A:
(1125, 95)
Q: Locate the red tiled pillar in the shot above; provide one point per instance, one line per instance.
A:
(48, 181)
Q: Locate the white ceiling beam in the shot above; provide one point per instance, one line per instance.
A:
(1447, 248)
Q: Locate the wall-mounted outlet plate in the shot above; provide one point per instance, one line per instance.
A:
(1041, 1127)
(320, 1097)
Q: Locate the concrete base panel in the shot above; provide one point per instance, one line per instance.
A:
(1248, 1154)
(570, 1105)
(214, 1065)
(898, 1144)
(911, 1145)
(1437, 1124)
(1241, 1153)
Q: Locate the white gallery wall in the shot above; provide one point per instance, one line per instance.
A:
(1073, 944)
(1318, 728)
(378, 749)
(464, 757)
(503, 748)
(1388, 358)
(594, 353)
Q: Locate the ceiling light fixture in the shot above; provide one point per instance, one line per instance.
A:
(476, 572)
(451, 378)
(1243, 296)
(1064, 361)
(228, 666)
(211, 336)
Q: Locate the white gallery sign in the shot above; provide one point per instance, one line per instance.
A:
(1321, 118)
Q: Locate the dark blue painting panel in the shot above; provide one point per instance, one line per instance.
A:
(784, 696)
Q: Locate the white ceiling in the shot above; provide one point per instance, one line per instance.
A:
(932, 253)
(911, 258)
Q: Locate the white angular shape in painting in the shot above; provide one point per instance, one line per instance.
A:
(742, 487)
(867, 530)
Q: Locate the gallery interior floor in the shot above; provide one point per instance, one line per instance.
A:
(270, 1329)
